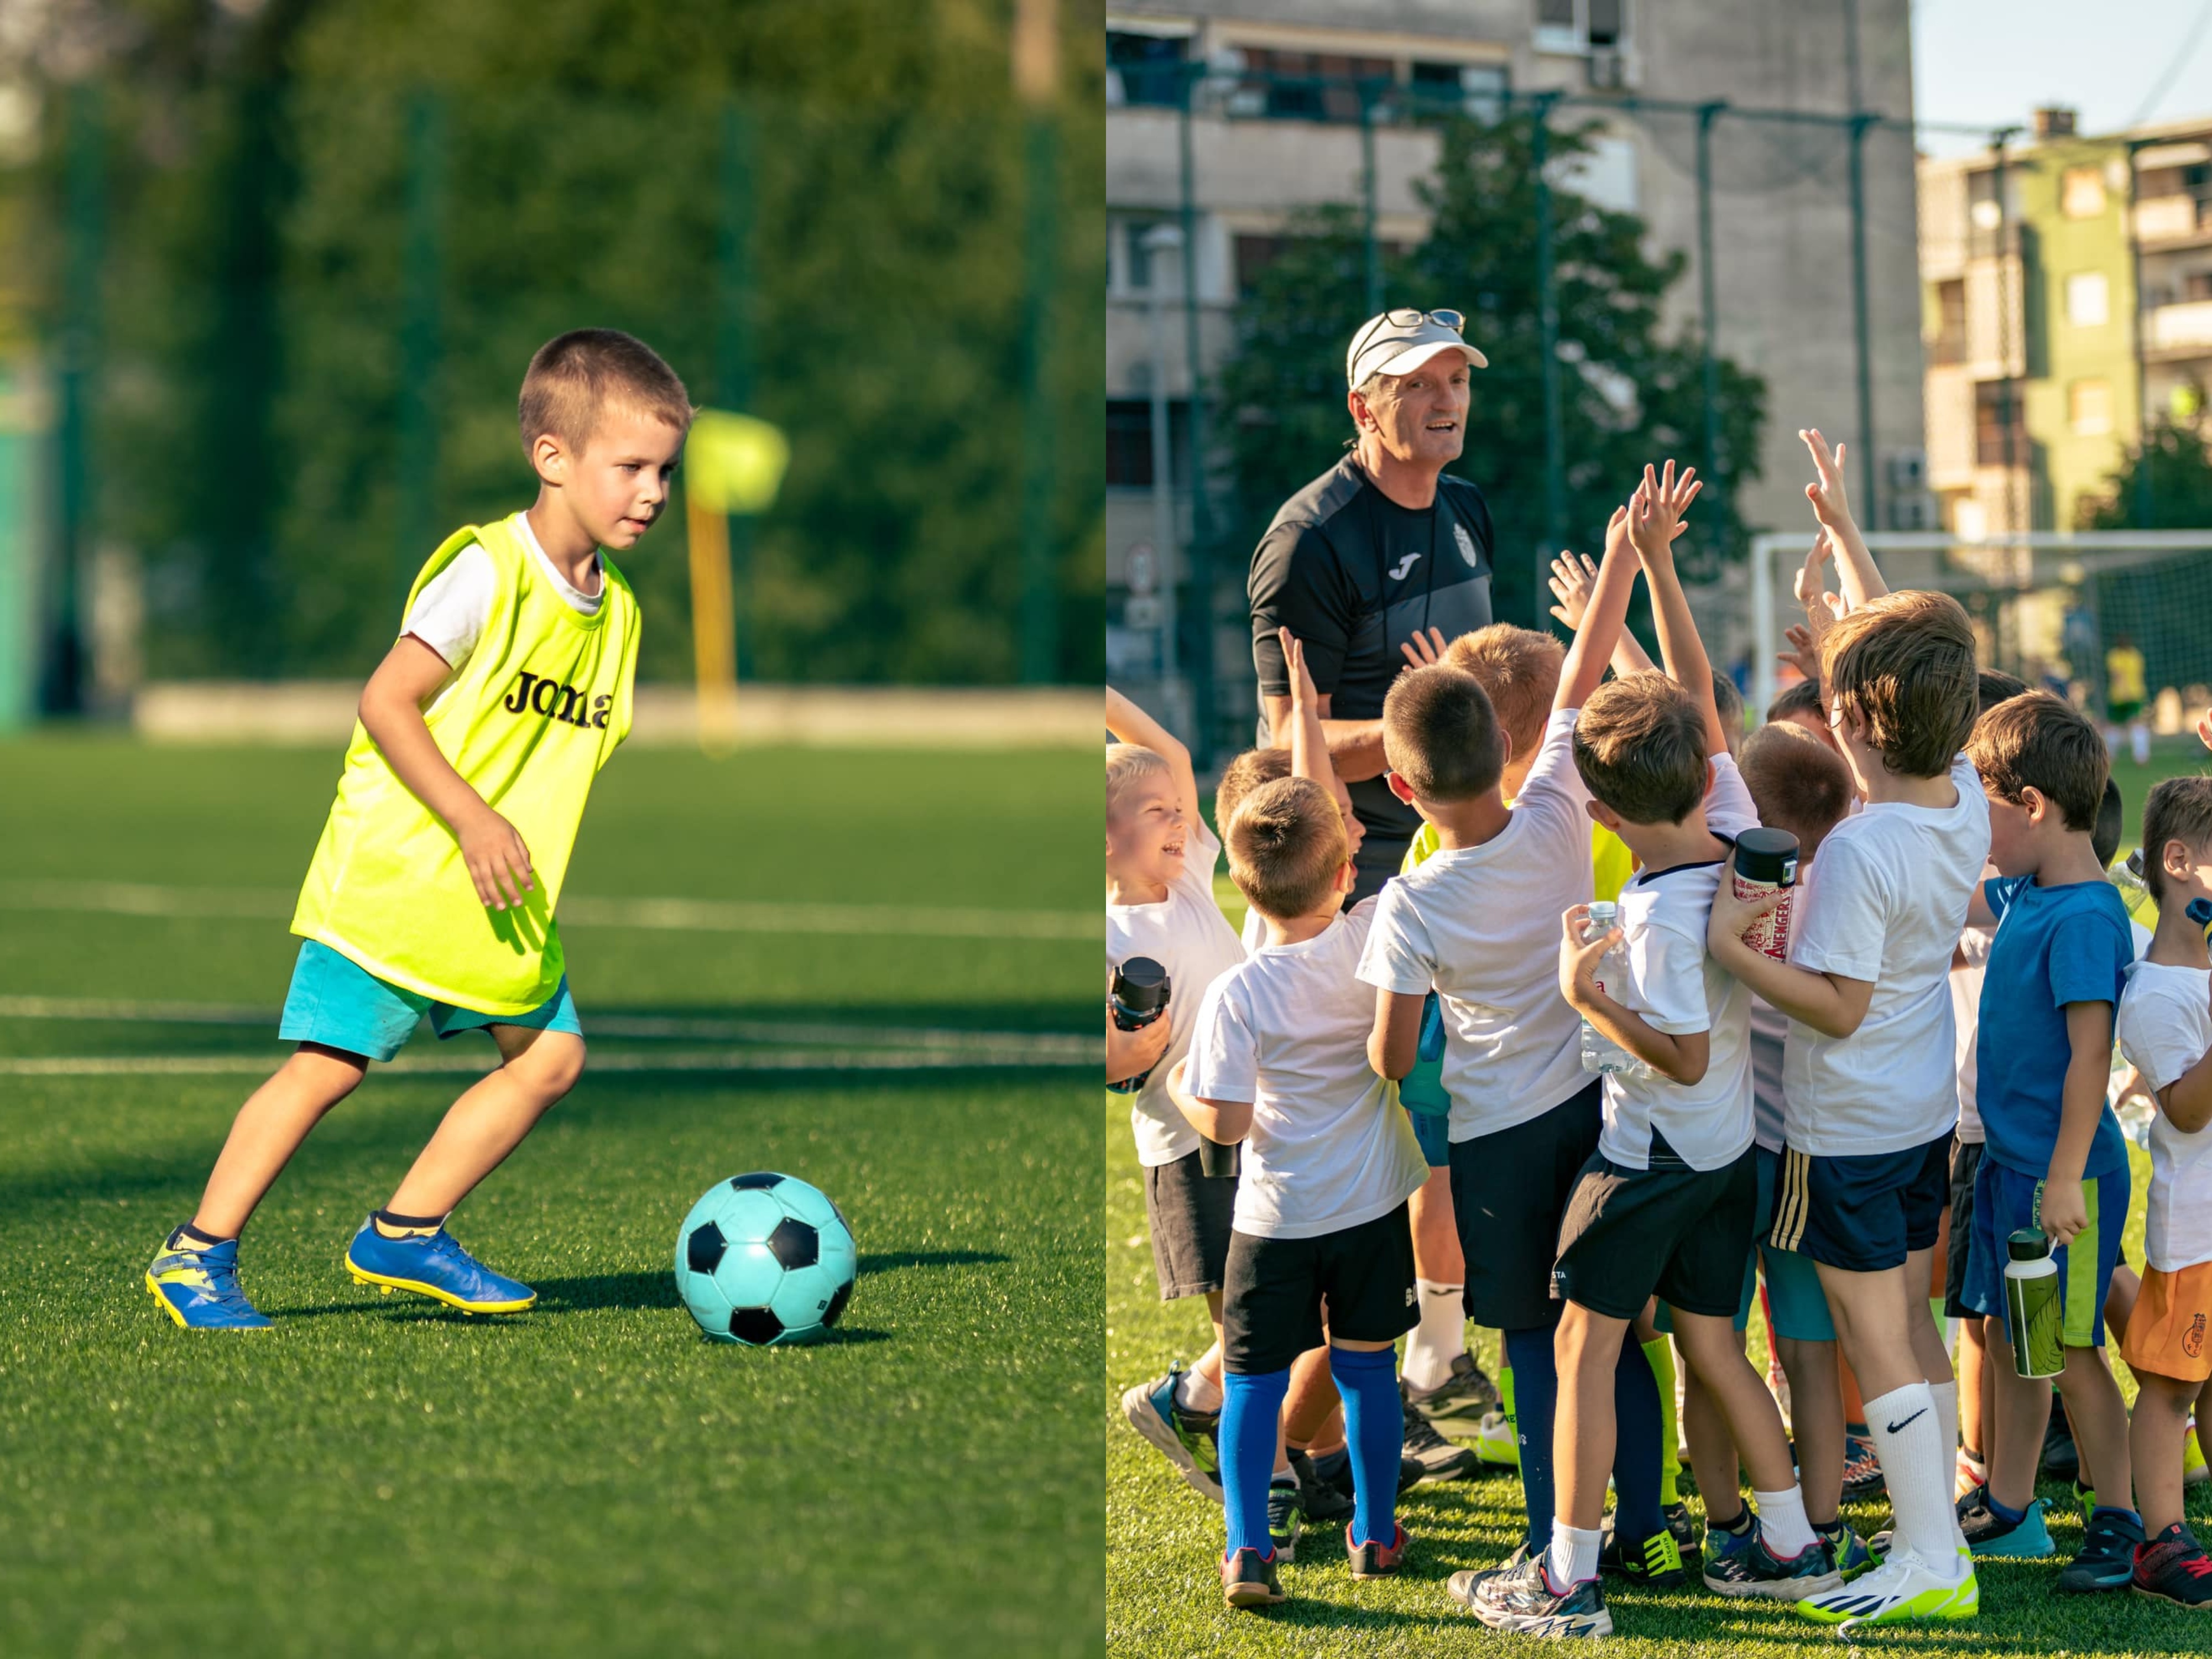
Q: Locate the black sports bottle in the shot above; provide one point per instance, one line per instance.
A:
(1140, 996)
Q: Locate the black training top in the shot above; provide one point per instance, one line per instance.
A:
(1354, 575)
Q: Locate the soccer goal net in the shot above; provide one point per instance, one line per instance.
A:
(2109, 619)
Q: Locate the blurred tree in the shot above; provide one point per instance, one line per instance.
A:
(2165, 482)
(1628, 395)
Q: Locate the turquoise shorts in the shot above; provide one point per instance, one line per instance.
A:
(1796, 1306)
(337, 1003)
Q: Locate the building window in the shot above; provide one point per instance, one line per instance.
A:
(2088, 303)
(2089, 407)
(2081, 192)
(1949, 344)
(1143, 68)
(1129, 443)
(1998, 442)
(1308, 86)
(1581, 26)
(1437, 90)
(1141, 266)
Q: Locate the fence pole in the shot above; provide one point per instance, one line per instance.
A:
(1860, 122)
(734, 343)
(1039, 649)
(1547, 330)
(1708, 306)
(421, 279)
(2143, 502)
(1200, 561)
(1372, 252)
(85, 212)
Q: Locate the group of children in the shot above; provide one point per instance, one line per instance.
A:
(1654, 1113)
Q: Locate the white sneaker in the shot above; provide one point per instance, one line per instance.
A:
(1903, 1587)
(1495, 1441)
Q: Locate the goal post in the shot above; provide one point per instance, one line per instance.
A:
(2045, 605)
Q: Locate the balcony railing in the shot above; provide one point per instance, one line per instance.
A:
(2173, 218)
(2184, 327)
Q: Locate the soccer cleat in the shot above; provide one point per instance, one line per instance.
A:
(2193, 1470)
(1467, 1393)
(1248, 1580)
(1658, 1561)
(1683, 1528)
(1185, 1437)
(2107, 1560)
(1848, 1553)
(1750, 1568)
(1439, 1459)
(1496, 1442)
(1990, 1536)
(1376, 1560)
(1521, 1599)
(199, 1289)
(1862, 1476)
(1901, 1588)
(434, 1264)
(1318, 1498)
(2171, 1568)
(1284, 1518)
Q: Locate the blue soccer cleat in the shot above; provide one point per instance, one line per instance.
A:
(434, 1264)
(199, 1290)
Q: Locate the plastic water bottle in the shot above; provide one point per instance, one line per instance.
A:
(2034, 1307)
(1600, 1052)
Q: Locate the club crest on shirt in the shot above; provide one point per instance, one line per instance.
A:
(1467, 547)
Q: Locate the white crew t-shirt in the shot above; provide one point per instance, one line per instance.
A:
(1287, 1029)
(1888, 906)
(1676, 988)
(1481, 927)
(452, 611)
(1967, 1022)
(1187, 934)
(2165, 1027)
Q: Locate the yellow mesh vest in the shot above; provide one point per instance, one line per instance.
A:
(540, 704)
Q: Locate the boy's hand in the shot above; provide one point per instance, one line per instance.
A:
(1129, 1053)
(2065, 1211)
(1804, 652)
(1820, 606)
(1655, 511)
(498, 862)
(1731, 917)
(1303, 693)
(1577, 960)
(1831, 503)
(1573, 575)
(1426, 649)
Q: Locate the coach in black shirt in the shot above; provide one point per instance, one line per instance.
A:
(1379, 547)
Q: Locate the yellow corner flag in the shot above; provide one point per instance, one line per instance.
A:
(731, 463)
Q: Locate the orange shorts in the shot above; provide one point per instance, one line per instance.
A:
(2170, 1332)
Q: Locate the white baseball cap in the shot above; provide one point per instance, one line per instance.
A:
(1399, 342)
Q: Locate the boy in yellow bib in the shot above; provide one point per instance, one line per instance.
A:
(434, 888)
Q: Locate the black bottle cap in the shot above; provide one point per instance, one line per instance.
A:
(1767, 855)
(1140, 985)
(2028, 1244)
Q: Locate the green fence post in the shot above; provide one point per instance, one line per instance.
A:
(1040, 646)
(1547, 330)
(1709, 305)
(733, 337)
(1200, 662)
(421, 279)
(1870, 473)
(84, 223)
(1367, 205)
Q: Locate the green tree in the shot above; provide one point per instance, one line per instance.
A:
(2165, 482)
(1628, 394)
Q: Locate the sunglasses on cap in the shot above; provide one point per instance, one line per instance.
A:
(1406, 317)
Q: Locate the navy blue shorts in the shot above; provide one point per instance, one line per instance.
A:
(1863, 1213)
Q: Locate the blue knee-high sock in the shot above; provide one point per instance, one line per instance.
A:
(1637, 1450)
(1374, 1429)
(1251, 1407)
(1535, 1402)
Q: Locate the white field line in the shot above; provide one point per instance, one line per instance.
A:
(700, 1060)
(664, 915)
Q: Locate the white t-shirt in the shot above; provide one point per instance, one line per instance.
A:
(1286, 1028)
(1966, 1019)
(1888, 906)
(1187, 934)
(1481, 927)
(450, 614)
(1255, 931)
(2165, 1027)
(1677, 988)
(1770, 1031)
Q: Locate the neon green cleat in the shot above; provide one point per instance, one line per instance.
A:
(1902, 1589)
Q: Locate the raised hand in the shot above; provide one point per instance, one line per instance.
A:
(1830, 502)
(1655, 510)
(1303, 694)
(1426, 647)
(1804, 652)
(1573, 575)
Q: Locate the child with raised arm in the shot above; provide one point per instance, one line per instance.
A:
(2165, 1033)
(1870, 1093)
(1277, 1062)
(434, 888)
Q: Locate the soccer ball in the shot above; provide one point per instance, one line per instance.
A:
(764, 1258)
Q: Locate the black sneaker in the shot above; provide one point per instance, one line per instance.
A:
(1656, 1560)
(1681, 1528)
(1248, 1580)
(2171, 1568)
(1752, 1569)
(1318, 1494)
(2107, 1560)
(2062, 1459)
(1284, 1518)
(1376, 1560)
(1523, 1599)
(1466, 1393)
(1438, 1458)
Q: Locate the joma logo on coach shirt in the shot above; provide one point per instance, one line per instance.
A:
(534, 693)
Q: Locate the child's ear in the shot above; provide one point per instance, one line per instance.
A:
(2175, 860)
(1348, 877)
(1602, 815)
(1400, 787)
(2035, 804)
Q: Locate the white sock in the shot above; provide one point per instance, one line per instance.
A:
(1572, 1557)
(1781, 1522)
(1947, 1419)
(1908, 1443)
(1439, 1338)
(1194, 1392)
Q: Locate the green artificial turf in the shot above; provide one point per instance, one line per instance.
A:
(379, 1476)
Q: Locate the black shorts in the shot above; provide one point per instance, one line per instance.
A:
(1965, 1159)
(1509, 1191)
(1863, 1213)
(1680, 1234)
(1272, 1310)
(1187, 1213)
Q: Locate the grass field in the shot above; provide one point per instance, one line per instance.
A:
(380, 1477)
(1163, 1598)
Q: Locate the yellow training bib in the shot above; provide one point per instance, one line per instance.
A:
(538, 706)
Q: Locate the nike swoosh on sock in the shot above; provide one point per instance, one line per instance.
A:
(1923, 1412)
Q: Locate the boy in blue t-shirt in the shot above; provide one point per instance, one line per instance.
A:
(2054, 1157)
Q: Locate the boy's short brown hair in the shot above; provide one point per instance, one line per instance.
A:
(1728, 703)
(1519, 670)
(574, 377)
(1791, 701)
(1640, 747)
(1440, 734)
(1798, 782)
(1242, 776)
(1995, 686)
(2040, 741)
(2176, 809)
(1285, 845)
(1904, 665)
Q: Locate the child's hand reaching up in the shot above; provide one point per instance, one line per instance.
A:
(1426, 649)
(1573, 575)
(1831, 502)
(1655, 510)
(1303, 694)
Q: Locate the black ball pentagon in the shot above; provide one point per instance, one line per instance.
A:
(703, 1249)
(758, 1326)
(758, 1178)
(794, 1244)
(837, 1305)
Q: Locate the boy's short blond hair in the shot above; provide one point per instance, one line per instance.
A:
(1440, 734)
(1798, 782)
(2040, 742)
(1242, 776)
(1519, 672)
(1904, 665)
(2176, 809)
(574, 378)
(1128, 764)
(1285, 845)
(1640, 747)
